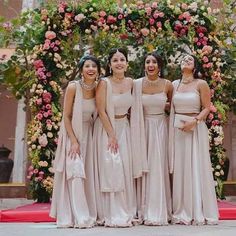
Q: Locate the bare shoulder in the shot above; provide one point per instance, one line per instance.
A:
(130, 80)
(102, 84)
(71, 88)
(168, 83)
(202, 84)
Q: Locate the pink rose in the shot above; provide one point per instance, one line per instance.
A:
(50, 35)
(39, 116)
(111, 19)
(47, 96)
(210, 116)
(48, 121)
(45, 114)
(151, 21)
(43, 141)
(145, 31)
(120, 16)
(184, 6)
(154, 5)
(39, 101)
(205, 59)
(80, 17)
(159, 24)
(213, 108)
(148, 10)
(35, 171)
(48, 106)
(30, 168)
(102, 13)
(38, 63)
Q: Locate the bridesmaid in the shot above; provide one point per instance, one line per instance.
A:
(114, 186)
(73, 200)
(148, 122)
(194, 198)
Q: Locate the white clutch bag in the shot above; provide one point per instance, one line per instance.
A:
(112, 174)
(75, 167)
(181, 119)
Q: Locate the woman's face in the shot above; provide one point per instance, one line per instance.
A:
(90, 70)
(151, 66)
(118, 63)
(187, 63)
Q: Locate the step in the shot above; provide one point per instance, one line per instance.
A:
(13, 190)
(229, 188)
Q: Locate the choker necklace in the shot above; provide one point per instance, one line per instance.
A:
(87, 86)
(151, 82)
(187, 80)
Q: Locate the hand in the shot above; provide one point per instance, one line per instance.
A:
(75, 148)
(112, 144)
(188, 126)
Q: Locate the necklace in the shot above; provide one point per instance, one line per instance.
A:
(116, 80)
(85, 86)
(187, 80)
(149, 82)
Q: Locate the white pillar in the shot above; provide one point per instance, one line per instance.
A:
(20, 158)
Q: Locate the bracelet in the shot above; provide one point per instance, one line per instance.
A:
(198, 121)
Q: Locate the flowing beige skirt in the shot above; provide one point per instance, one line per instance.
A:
(73, 200)
(194, 197)
(115, 209)
(155, 194)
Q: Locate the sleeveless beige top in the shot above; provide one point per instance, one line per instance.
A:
(122, 102)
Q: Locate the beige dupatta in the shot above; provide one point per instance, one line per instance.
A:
(138, 140)
(171, 130)
(63, 147)
(111, 169)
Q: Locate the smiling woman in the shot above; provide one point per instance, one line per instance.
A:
(73, 199)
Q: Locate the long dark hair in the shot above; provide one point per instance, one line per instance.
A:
(86, 58)
(197, 70)
(159, 60)
(108, 72)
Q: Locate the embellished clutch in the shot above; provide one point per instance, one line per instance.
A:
(181, 119)
(75, 167)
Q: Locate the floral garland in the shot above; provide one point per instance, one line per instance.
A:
(161, 26)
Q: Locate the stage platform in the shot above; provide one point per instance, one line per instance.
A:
(39, 212)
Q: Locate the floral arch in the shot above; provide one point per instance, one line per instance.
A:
(51, 39)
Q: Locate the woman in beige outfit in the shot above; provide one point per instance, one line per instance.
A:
(112, 145)
(73, 201)
(194, 198)
(149, 124)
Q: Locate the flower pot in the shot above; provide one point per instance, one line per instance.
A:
(6, 165)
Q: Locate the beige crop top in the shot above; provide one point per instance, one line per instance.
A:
(122, 102)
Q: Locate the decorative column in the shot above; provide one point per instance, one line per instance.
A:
(20, 158)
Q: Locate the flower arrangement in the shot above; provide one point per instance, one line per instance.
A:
(50, 40)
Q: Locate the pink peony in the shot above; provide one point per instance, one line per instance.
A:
(50, 35)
